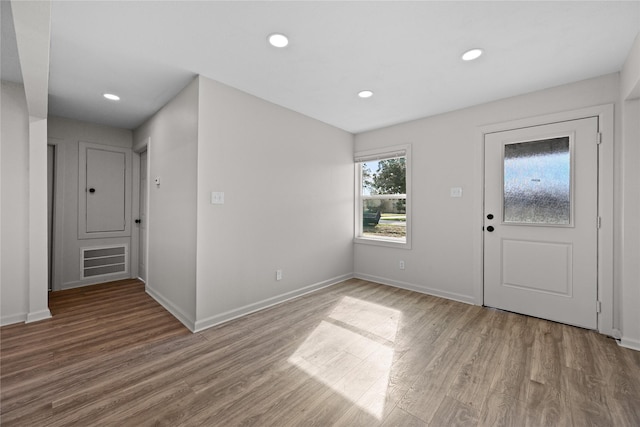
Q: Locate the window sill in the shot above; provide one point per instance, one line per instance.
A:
(389, 243)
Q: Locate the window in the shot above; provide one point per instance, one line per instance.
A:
(537, 182)
(383, 197)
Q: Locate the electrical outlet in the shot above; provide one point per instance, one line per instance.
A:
(278, 274)
(401, 265)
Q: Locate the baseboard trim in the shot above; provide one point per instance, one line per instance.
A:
(38, 315)
(266, 303)
(630, 344)
(89, 282)
(420, 289)
(171, 308)
(13, 318)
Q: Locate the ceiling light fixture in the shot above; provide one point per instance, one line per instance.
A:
(278, 40)
(111, 97)
(365, 94)
(472, 54)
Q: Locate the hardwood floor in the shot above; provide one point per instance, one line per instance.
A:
(354, 354)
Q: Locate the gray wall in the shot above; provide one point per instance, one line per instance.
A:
(66, 134)
(445, 154)
(628, 247)
(288, 184)
(14, 206)
(171, 224)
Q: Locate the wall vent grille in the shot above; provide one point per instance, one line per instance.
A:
(103, 261)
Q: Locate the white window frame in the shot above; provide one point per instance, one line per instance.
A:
(381, 154)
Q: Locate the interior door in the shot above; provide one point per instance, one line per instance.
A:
(50, 208)
(541, 220)
(142, 221)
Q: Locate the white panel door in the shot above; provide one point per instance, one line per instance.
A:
(142, 221)
(51, 153)
(541, 212)
(106, 191)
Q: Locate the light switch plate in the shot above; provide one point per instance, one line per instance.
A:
(456, 191)
(217, 198)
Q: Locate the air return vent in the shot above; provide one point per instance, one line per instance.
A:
(103, 261)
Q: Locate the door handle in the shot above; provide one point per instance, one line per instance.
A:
(138, 221)
(490, 228)
(92, 190)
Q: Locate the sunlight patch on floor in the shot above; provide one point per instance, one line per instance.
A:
(351, 351)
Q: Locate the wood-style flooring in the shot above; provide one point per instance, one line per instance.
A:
(354, 354)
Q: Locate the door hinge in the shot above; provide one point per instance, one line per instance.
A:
(598, 307)
(599, 138)
(599, 222)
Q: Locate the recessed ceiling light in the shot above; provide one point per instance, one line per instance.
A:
(365, 94)
(111, 97)
(278, 40)
(472, 54)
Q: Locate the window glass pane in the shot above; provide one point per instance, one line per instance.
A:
(387, 176)
(383, 199)
(384, 218)
(537, 182)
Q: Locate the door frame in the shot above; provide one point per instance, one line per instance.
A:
(604, 113)
(138, 147)
(58, 213)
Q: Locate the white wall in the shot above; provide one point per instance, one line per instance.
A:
(445, 155)
(32, 28)
(629, 245)
(66, 134)
(14, 227)
(288, 186)
(172, 153)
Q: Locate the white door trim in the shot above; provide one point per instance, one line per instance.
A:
(605, 116)
(58, 213)
(138, 147)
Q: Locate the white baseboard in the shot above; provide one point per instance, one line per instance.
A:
(38, 315)
(89, 282)
(13, 318)
(468, 299)
(171, 308)
(261, 305)
(629, 343)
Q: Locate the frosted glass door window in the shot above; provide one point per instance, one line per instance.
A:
(537, 182)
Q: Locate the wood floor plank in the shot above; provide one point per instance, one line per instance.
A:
(514, 366)
(427, 393)
(400, 418)
(452, 412)
(502, 410)
(353, 354)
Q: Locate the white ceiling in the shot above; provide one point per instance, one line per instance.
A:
(408, 53)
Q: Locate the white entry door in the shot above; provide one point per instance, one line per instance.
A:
(541, 221)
